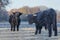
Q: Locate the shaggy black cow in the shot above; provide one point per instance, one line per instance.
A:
(33, 19)
(45, 18)
(15, 20)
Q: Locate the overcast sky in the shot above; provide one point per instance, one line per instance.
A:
(31, 3)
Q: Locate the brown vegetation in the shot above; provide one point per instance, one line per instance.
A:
(32, 10)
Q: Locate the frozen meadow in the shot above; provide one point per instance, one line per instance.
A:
(26, 32)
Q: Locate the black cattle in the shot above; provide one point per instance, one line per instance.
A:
(50, 17)
(15, 20)
(45, 18)
(33, 19)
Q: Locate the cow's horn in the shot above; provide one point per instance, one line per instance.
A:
(34, 15)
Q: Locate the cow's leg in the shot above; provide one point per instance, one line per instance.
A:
(55, 26)
(11, 27)
(14, 28)
(40, 29)
(17, 27)
(18, 24)
(55, 29)
(36, 29)
(45, 26)
(49, 30)
(55, 32)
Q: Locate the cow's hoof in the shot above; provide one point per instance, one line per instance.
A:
(13, 30)
(17, 30)
(35, 33)
(55, 35)
(49, 35)
(39, 33)
(45, 29)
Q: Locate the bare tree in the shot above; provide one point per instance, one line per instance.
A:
(3, 3)
(3, 12)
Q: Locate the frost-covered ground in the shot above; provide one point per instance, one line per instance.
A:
(26, 34)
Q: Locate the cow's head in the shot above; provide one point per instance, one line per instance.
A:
(18, 14)
(31, 18)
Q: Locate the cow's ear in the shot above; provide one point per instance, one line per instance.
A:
(13, 12)
(20, 13)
